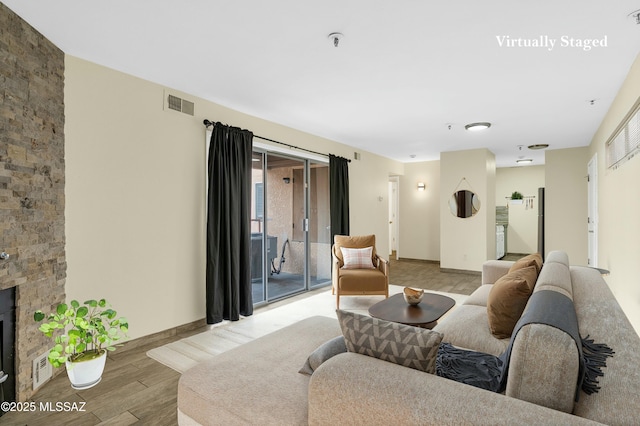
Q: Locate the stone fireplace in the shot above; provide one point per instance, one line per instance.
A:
(32, 184)
(7, 345)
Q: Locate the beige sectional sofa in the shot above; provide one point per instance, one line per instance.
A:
(350, 388)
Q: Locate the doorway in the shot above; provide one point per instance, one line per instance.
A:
(592, 206)
(393, 216)
(290, 226)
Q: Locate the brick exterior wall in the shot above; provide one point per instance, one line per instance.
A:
(32, 182)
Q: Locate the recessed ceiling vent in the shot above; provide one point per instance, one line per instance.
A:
(178, 104)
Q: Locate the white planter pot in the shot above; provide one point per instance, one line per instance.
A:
(86, 374)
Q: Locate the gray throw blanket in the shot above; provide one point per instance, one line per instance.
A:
(490, 372)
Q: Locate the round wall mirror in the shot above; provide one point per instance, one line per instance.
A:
(464, 204)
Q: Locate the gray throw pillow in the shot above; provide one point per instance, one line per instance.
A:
(401, 344)
(325, 351)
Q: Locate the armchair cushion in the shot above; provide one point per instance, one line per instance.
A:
(362, 280)
(357, 258)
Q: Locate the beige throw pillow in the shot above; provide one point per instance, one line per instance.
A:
(507, 299)
(348, 241)
(357, 258)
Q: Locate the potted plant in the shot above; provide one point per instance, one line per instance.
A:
(88, 332)
(516, 197)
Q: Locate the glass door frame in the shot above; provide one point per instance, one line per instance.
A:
(266, 151)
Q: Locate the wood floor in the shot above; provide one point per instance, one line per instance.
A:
(138, 390)
(427, 275)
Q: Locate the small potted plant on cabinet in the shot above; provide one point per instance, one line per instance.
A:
(88, 332)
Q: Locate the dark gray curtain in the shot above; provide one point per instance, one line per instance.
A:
(339, 195)
(228, 285)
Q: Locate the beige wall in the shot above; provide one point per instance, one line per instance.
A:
(466, 243)
(566, 202)
(369, 196)
(420, 211)
(135, 205)
(522, 232)
(619, 204)
(135, 194)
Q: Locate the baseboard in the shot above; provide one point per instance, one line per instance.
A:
(161, 335)
(460, 271)
(408, 259)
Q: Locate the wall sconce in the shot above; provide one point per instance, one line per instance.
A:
(421, 186)
(286, 180)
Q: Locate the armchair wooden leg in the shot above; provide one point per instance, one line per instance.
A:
(338, 301)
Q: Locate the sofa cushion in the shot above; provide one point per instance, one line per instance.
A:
(555, 276)
(325, 351)
(601, 317)
(479, 296)
(507, 299)
(558, 256)
(401, 344)
(257, 382)
(543, 367)
(357, 258)
(531, 260)
(494, 269)
(466, 327)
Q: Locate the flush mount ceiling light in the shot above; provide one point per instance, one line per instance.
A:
(335, 38)
(539, 146)
(524, 161)
(474, 127)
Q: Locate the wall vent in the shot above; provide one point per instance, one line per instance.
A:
(178, 104)
(42, 370)
(356, 156)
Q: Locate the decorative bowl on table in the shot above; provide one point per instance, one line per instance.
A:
(412, 296)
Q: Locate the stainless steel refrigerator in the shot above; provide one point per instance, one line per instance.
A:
(541, 222)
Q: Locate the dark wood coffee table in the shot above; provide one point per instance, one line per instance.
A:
(425, 314)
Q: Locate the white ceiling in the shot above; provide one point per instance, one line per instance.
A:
(404, 71)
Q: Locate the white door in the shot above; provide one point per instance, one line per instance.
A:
(592, 205)
(393, 215)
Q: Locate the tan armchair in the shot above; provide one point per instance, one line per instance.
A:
(357, 282)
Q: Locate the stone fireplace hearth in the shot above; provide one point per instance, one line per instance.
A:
(32, 184)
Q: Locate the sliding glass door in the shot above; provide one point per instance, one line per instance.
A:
(291, 251)
(285, 226)
(319, 225)
(257, 228)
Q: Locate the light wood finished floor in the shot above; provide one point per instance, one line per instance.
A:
(138, 390)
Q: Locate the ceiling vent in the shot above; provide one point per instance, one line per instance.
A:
(181, 105)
